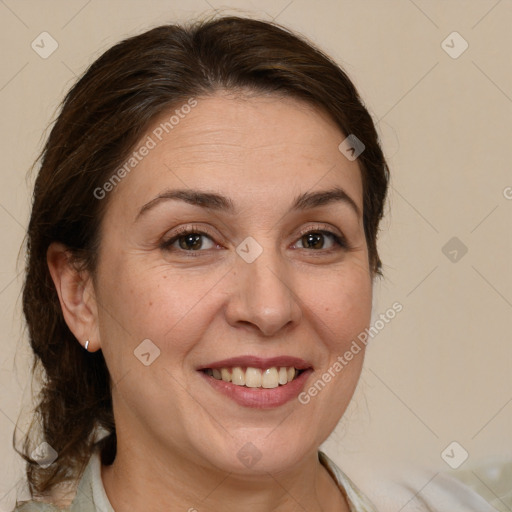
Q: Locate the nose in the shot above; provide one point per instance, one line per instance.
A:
(263, 296)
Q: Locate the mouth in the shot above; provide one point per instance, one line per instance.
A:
(256, 382)
(251, 377)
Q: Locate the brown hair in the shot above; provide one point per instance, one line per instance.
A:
(102, 118)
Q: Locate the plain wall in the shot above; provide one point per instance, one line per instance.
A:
(441, 370)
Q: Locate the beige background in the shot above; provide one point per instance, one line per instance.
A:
(441, 370)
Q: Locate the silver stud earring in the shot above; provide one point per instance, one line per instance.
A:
(86, 344)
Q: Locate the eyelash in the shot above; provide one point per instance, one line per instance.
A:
(340, 241)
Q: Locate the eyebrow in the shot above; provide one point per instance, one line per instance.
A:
(218, 202)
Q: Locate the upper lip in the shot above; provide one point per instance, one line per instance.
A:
(259, 362)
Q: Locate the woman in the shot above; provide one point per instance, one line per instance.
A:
(201, 252)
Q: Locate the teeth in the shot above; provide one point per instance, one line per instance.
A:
(255, 377)
(238, 376)
(270, 378)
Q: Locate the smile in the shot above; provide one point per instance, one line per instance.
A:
(251, 377)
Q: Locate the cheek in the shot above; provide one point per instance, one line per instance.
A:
(342, 302)
(153, 302)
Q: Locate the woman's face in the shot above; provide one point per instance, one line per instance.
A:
(247, 287)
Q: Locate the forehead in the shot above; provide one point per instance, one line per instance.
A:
(257, 147)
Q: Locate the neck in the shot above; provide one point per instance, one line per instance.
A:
(170, 481)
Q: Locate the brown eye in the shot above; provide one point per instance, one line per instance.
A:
(313, 240)
(191, 241)
(317, 240)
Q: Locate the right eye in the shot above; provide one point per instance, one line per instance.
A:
(188, 239)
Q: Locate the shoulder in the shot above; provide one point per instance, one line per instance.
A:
(429, 491)
(491, 478)
(77, 496)
(413, 489)
(36, 506)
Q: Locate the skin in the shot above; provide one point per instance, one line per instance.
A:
(178, 438)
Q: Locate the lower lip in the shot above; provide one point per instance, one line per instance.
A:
(260, 398)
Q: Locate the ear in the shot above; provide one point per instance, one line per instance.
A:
(76, 295)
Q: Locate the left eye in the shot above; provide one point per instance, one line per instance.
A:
(316, 240)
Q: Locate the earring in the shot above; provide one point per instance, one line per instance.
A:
(86, 344)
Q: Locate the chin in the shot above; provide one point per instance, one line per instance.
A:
(260, 453)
